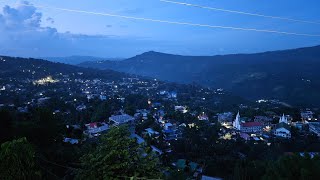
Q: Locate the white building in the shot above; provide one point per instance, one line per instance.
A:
(283, 119)
(282, 130)
(121, 119)
(203, 117)
(182, 109)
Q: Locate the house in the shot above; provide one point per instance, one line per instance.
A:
(226, 119)
(81, 107)
(71, 140)
(103, 97)
(143, 113)
(151, 132)
(182, 109)
(307, 115)
(314, 127)
(203, 117)
(172, 94)
(282, 130)
(170, 132)
(121, 119)
(95, 129)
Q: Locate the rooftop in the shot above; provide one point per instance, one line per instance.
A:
(252, 124)
(124, 118)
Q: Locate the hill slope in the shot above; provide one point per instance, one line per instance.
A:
(290, 75)
(36, 68)
(18, 75)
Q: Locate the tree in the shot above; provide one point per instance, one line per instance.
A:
(294, 167)
(118, 155)
(17, 159)
(6, 126)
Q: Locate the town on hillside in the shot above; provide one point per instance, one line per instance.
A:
(192, 130)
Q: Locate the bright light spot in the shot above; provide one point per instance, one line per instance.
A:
(45, 81)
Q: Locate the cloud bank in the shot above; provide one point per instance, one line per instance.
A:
(22, 35)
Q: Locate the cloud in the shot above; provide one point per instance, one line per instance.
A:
(50, 20)
(22, 35)
(22, 17)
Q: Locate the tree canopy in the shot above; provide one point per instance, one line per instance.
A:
(17, 159)
(118, 156)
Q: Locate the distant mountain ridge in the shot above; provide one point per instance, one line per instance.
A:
(37, 68)
(74, 60)
(289, 75)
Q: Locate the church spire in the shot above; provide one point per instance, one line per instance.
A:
(283, 119)
(236, 122)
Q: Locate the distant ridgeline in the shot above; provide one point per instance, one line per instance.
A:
(36, 68)
(291, 76)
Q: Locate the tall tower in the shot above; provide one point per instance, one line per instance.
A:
(236, 122)
(283, 119)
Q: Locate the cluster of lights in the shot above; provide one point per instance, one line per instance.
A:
(262, 101)
(44, 81)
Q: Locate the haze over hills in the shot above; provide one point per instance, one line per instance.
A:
(78, 59)
(289, 75)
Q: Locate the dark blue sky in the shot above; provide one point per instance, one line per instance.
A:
(37, 31)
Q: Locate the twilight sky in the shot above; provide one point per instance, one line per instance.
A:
(33, 31)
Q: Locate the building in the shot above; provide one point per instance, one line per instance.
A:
(103, 97)
(248, 127)
(225, 117)
(252, 127)
(314, 127)
(172, 94)
(203, 117)
(71, 141)
(182, 109)
(151, 132)
(283, 119)
(170, 132)
(96, 129)
(237, 123)
(307, 115)
(282, 130)
(81, 107)
(121, 119)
